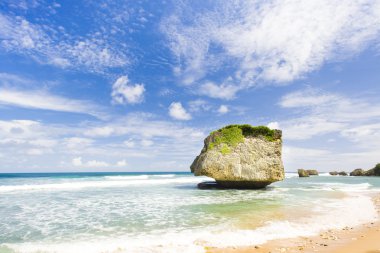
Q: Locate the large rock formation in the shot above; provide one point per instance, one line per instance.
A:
(241, 156)
(303, 173)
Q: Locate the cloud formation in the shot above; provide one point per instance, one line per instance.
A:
(251, 43)
(177, 111)
(223, 109)
(123, 92)
(55, 45)
(43, 100)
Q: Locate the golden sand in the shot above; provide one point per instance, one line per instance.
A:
(362, 239)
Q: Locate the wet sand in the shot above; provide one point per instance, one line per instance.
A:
(361, 239)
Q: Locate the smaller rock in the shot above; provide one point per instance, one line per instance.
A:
(303, 173)
(342, 173)
(312, 172)
(333, 173)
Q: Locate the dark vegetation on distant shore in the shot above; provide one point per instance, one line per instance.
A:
(230, 136)
(357, 172)
(360, 172)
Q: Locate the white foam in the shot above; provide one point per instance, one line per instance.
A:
(330, 214)
(126, 177)
(290, 174)
(164, 175)
(349, 188)
(100, 184)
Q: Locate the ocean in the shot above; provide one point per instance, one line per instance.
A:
(165, 212)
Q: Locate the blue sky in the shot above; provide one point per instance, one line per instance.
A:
(137, 85)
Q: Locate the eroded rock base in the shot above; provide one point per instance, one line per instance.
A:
(232, 185)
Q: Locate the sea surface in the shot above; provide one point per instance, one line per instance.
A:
(165, 212)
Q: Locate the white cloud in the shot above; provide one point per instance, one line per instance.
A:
(223, 91)
(123, 92)
(266, 42)
(35, 99)
(223, 109)
(54, 45)
(35, 151)
(103, 131)
(326, 113)
(96, 163)
(129, 143)
(177, 111)
(121, 163)
(131, 139)
(309, 126)
(46, 143)
(199, 105)
(307, 98)
(77, 142)
(342, 133)
(328, 160)
(77, 161)
(146, 143)
(274, 125)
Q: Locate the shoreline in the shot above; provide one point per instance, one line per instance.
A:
(364, 238)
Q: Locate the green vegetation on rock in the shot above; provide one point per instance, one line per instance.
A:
(224, 149)
(230, 136)
(377, 169)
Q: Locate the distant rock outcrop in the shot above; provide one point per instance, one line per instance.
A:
(358, 172)
(342, 173)
(372, 172)
(334, 173)
(241, 156)
(312, 172)
(303, 173)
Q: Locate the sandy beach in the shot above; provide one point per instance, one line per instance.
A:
(361, 239)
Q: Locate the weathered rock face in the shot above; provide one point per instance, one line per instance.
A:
(303, 173)
(342, 173)
(333, 173)
(312, 172)
(372, 172)
(358, 172)
(241, 156)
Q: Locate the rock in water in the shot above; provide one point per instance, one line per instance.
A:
(333, 173)
(342, 173)
(358, 172)
(312, 172)
(241, 156)
(303, 173)
(374, 172)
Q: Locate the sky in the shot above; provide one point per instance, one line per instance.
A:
(111, 85)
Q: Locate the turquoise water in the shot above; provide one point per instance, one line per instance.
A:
(165, 212)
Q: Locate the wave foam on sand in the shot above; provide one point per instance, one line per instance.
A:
(325, 214)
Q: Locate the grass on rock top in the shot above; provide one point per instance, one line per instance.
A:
(230, 136)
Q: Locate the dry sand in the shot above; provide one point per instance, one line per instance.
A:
(362, 239)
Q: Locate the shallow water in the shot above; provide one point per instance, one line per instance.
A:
(165, 212)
